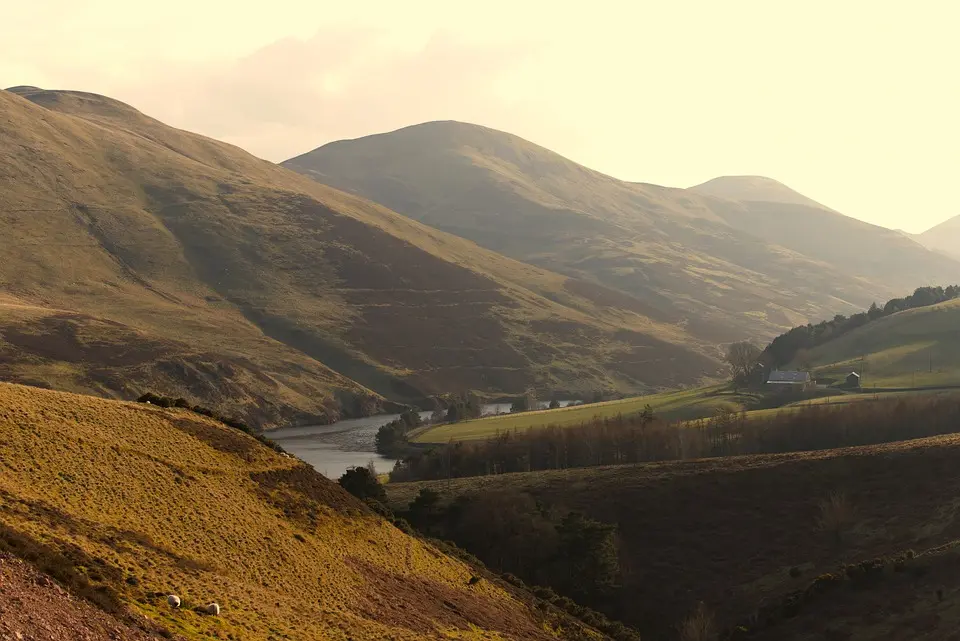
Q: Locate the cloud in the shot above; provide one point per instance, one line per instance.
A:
(293, 95)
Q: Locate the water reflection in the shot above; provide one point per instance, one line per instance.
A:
(333, 449)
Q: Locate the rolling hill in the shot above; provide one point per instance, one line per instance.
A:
(743, 535)
(754, 189)
(785, 218)
(123, 504)
(914, 348)
(944, 237)
(140, 257)
(725, 269)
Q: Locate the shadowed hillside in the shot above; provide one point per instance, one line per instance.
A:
(749, 536)
(716, 265)
(123, 504)
(138, 256)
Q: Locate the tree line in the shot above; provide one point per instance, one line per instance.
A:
(510, 531)
(786, 347)
(643, 437)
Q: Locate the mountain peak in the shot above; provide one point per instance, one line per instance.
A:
(23, 89)
(754, 188)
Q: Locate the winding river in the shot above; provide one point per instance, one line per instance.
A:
(332, 449)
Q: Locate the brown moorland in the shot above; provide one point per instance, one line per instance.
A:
(730, 531)
(124, 504)
(141, 257)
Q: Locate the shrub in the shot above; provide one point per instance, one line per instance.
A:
(826, 581)
(514, 580)
(404, 526)
(699, 626)
(547, 594)
(836, 515)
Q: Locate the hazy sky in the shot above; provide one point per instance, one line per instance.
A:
(854, 104)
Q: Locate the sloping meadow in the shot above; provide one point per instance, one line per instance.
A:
(127, 503)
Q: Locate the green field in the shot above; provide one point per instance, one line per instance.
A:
(915, 348)
(674, 405)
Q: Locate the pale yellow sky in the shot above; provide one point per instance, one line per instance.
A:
(854, 104)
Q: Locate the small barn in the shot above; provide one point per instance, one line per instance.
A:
(790, 382)
(853, 380)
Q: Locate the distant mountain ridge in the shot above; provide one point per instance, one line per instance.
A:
(754, 188)
(724, 269)
(944, 237)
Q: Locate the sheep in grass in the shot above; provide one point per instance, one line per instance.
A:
(213, 610)
(173, 601)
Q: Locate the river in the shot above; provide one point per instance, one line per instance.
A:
(333, 449)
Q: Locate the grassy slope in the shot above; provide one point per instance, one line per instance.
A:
(226, 268)
(167, 501)
(915, 348)
(727, 531)
(680, 405)
(678, 253)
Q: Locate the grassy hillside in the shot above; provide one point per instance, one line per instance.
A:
(679, 405)
(914, 348)
(728, 532)
(132, 502)
(242, 285)
(724, 269)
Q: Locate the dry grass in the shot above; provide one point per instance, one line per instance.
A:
(699, 626)
(164, 501)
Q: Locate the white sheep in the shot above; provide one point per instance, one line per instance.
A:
(213, 609)
(173, 600)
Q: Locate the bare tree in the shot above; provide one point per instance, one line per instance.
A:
(742, 357)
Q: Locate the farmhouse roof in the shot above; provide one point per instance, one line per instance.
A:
(777, 376)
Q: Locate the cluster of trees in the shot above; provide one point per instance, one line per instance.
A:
(462, 408)
(526, 403)
(391, 439)
(640, 438)
(363, 483)
(512, 533)
(786, 347)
